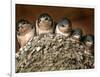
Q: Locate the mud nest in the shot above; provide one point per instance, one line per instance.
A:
(52, 53)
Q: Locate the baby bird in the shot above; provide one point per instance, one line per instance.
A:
(44, 24)
(77, 35)
(64, 27)
(89, 40)
(25, 32)
(89, 43)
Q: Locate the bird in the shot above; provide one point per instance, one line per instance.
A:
(25, 32)
(76, 35)
(64, 27)
(88, 40)
(44, 24)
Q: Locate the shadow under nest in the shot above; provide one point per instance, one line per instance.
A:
(53, 53)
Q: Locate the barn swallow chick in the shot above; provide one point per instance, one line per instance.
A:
(76, 35)
(44, 24)
(25, 32)
(64, 27)
(89, 43)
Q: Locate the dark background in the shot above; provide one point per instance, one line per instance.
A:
(80, 17)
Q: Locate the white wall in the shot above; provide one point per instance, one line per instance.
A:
(5, 38)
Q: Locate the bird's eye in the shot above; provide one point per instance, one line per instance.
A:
(78, 33)
(39, 20)
(88, 40)
(17, 27)
(62, 25)
(46, 18)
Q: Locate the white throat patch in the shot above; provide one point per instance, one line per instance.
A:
(61, 33)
